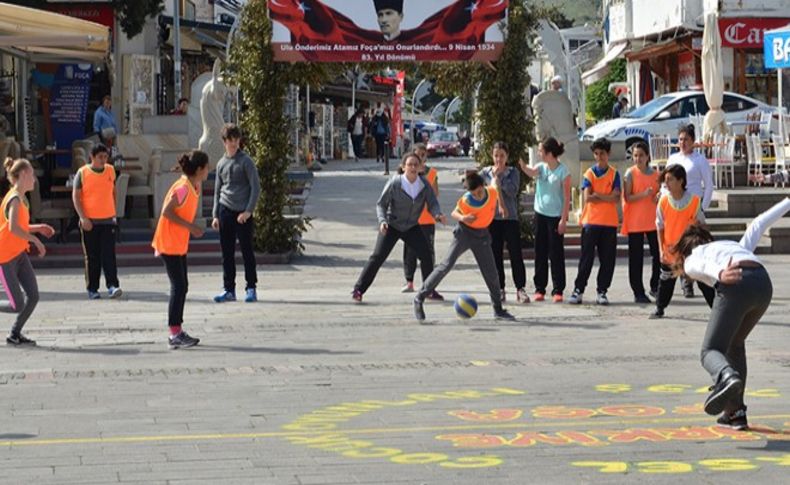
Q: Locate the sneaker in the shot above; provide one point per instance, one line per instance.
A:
(642, 299)
(521, 296)
(653, 294)
(502, 297)
(252, 295)
(94, 295)
(114, 292)
(730, 385)
(688, 292)
(658, 313)
(435, 296)
(225, 296)
(601, 299)
(408, 287)
(182, 341)
(19, 339)
(557, 298)
(576, 298)
(539, 296)
(735, 420)
(419, 312)
(502, 314)
(356, 295)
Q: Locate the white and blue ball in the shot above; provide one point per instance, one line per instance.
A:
(465, 306)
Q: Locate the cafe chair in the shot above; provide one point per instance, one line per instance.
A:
(659, 150)
(780, 150)
(46, 211)
(723, 160)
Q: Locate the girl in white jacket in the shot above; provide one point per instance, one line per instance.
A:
(743, 294)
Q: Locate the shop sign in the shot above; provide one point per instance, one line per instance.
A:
(747, 33)
(92, 12)
(388, 30)
(777, 49)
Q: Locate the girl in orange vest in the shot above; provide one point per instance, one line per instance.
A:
(171, 239)
(640, 199)
(601, 188)
(676, 211)
(94, 201)
(427, 225)
(16, 234)
(474, 212)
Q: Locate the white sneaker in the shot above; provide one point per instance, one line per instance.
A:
(114, 292)
(408, 287)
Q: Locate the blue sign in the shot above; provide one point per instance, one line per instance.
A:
(68, 105)
(776, 47)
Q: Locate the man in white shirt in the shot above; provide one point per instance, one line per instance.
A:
(699, 178)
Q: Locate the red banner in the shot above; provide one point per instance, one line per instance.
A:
(387, 30)
(747, 33)
(397, 108)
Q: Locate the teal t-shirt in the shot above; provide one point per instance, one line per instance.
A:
(549, 192)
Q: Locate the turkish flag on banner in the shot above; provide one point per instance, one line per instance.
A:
(321, 33)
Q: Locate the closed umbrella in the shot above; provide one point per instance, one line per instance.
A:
(712, 77)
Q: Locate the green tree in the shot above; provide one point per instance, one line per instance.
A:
(599, 99)
(263, 84)
(132, 14)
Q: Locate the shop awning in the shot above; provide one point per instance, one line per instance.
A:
(651, 51)
(42, 36)
(197, 35)
(601, 68)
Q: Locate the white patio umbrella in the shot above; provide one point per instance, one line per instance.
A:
(712, 77)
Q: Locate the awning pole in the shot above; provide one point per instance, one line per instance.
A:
(176, 52)
(782, 127)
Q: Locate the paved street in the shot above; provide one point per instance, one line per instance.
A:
(306, 387)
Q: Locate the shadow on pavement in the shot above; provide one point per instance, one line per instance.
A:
(17, 436)
(275, 350)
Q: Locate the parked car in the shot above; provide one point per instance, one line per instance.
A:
(444, 143)
(665, 114)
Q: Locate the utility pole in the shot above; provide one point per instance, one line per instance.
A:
(176, 51)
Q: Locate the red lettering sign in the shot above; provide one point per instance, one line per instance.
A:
(100, 14)
(747, 33)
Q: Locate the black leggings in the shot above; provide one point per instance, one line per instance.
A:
(549, 245)
(636, 252)
(508, 232)
(666, 287)
(410, 255)
(413, 237)
(179, 285)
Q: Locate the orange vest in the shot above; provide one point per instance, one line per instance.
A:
(676, 220)
(485, 209)
(426, 219)
(12, 245)
(97, 193)
(600, 213)
(640, 216)
(170, 238)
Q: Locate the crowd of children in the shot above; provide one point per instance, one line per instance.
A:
(671, 221)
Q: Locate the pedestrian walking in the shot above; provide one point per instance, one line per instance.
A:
(236, 191)
(380, 129)
(640, 199)
(398, 210)
(356, 128)
(743, 294)
(427, 225)
(474, 212)
(552, 205)
(676, 211)
(16, 235)
(93, 196)
(171, 239)
(698, 175)
(601, 188)
(506, 226)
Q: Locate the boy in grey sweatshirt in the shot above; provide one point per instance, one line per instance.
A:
(236, 191)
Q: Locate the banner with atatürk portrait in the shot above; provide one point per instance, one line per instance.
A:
(387, 30)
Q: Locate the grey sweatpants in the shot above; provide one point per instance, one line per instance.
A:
(481, 248)
(17, 276)
(736, 310)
